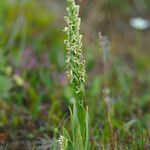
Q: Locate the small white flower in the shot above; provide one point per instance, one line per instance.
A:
(140, 23)
(63, 141)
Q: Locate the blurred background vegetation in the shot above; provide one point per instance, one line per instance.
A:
(34, 91)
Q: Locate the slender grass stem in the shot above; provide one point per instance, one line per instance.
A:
(106, 91)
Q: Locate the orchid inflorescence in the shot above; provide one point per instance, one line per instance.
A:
(75, 62)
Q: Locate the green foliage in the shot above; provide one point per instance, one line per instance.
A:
(80, 129)
(5, 86)
(6, 82)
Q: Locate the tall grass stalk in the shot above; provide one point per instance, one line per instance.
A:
(106, 91)
(79, 140)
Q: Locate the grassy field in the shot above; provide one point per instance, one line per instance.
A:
(89, 93)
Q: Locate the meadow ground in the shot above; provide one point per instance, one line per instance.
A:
(34, 90)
